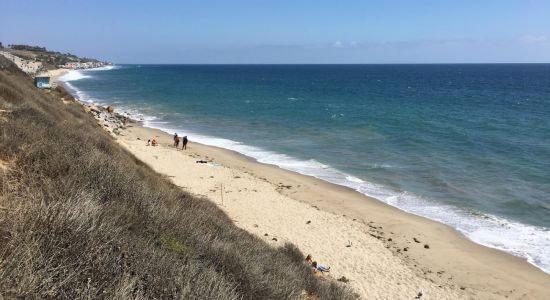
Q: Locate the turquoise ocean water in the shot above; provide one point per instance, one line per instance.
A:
(466, 145)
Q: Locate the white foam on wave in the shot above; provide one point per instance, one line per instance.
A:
(526, 241)
(73, 75)
(105, 68)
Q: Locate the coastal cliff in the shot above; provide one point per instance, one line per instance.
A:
(80, 217)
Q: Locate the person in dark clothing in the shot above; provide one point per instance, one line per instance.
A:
(184, 143)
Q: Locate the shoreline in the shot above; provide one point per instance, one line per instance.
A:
(475, 271)
(501, 274)
(520, 238)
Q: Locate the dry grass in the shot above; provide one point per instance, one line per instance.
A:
(83, 218)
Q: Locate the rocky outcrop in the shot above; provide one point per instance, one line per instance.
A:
(112, 122)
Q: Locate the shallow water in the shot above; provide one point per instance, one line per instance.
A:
(467, 145)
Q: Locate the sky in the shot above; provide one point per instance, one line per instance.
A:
(281, 31)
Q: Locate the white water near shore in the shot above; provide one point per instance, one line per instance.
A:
(529, 242)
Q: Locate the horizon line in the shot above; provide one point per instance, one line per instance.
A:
(435, 63)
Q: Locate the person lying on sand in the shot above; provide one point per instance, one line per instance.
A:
(319, 267)
(316, 267)
(154, 142)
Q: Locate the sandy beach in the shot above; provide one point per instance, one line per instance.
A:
(385, 253)
(372, 150)
(56, 74)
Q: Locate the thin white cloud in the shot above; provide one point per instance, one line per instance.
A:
(534, 39)
(338, 44)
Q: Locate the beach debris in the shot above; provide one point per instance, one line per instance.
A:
(416, 240)
(265, 234)
(110, 109)
(349, 244)
(406, 249)
(274, 239)
(419, 295)
(308, 222)
(256, 225)
(201, 162)
(426, 246)
(343, 279)
(375, 236)
(390, 239)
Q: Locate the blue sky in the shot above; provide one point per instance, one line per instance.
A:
(279, 31)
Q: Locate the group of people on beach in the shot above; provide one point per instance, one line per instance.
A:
(183, 140)
(318, 269)
(153, 142)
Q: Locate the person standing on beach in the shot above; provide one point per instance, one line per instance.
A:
(176, 140)
(184, 143)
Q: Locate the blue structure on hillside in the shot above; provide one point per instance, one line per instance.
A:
(42, 82)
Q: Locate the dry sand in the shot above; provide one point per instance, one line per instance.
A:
(55, 74)
(370, 243)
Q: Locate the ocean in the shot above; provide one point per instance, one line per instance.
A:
(467, 144)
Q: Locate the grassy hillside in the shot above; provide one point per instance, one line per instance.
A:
(82, 218)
